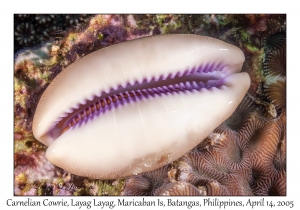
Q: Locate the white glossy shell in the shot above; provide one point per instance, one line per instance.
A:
(149, 133)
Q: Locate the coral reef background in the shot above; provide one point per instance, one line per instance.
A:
(245, 155)
(31, 30)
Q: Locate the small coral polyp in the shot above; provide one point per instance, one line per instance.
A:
(275, 70)
(25, 34)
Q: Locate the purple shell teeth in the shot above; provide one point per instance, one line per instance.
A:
(181, 85)
(179, 74)
(131, 96)
(187, 72)
(194, 85)
(188, 85)
(164, 88)
(155, 78)
(171, 76)
(218, 66)
(164, 77)
(149, 79)
(171, 87)
(177, 86)
(199, 69)
(193, 70)
(206, 68)
(160, 89)
(201, 84)
(159, 77)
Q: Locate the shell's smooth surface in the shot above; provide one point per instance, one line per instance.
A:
(148, 131)
(129, 63)
(36, 68)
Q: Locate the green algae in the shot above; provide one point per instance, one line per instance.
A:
(252, 48)
(72, 37)
(101, 188)
(100, 36)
